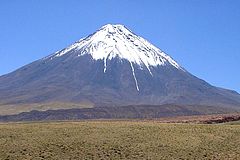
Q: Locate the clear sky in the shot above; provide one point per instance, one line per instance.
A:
(201, 35)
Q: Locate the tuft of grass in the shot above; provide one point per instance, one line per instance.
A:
(118, 140)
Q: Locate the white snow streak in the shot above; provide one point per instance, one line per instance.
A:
(105, 65)
(135, 79)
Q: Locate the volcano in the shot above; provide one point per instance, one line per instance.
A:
(111, 67)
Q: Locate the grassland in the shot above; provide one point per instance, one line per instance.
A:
(16, 109)
(233, 123)
(118, 140)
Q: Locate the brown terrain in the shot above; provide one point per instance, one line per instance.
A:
(202, 119)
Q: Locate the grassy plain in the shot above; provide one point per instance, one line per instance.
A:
(118, 140)
(16, 109)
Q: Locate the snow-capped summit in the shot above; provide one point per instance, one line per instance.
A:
(112, 41)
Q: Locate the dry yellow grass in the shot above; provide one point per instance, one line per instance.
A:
(16, 109)
(118, 140)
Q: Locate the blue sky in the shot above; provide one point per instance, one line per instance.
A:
(201, 35)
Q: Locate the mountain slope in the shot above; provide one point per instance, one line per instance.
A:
(111, 67)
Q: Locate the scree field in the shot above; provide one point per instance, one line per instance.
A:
(118, 140)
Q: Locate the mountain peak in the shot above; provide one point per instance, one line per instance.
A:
(113, 26)
(117, 41)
